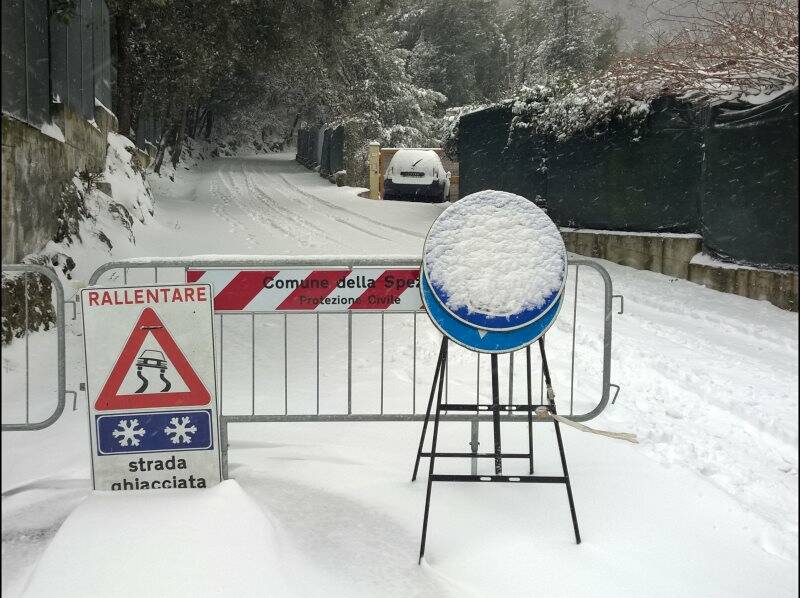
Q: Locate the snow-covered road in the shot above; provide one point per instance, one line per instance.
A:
(705, 506)
(272, 205)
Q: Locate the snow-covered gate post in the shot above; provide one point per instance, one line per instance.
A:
(241, 272)
(374, 170)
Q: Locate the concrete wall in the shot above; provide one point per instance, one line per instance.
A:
(779, 287)
(665, 253)
(672, 254)
(35, 168)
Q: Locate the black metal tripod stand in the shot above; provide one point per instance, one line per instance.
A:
(496, 408)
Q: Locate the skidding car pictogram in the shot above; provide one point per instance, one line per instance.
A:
(150, 358)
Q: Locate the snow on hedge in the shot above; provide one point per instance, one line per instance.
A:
(495, 252)
(561, 111)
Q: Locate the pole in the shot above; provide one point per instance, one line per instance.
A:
(552, 402)
(433, 456)
(530, 408)
(498, 460)
(436, 375)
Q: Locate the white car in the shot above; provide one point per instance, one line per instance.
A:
(416, 175)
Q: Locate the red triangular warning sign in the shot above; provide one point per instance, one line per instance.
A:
(150, 323)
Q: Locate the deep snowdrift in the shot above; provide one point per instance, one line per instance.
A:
(182, 543)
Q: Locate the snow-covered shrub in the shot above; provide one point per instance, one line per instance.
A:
(560, 111)
(30, 292)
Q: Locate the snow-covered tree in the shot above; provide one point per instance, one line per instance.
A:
(745, 50)
(563, 39)
(457, 47)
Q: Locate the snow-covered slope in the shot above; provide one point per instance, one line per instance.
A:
(111, 222)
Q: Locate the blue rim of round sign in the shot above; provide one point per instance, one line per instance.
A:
(497, 323)
(492, 341)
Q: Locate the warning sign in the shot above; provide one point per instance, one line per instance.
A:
(168, 357)
(152, 388)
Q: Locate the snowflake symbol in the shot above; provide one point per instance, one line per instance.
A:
(128, 432)
(181, 430)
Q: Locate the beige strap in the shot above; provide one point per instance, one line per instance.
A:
(543, 411)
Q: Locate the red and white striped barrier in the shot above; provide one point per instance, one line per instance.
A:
(306, 289)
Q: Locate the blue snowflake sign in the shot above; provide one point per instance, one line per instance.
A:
(151, 387)
(154, 432)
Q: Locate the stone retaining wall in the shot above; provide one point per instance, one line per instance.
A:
(35, 169)
(675, 255)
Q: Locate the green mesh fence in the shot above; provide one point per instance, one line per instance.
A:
(749, 201)
(730, 175)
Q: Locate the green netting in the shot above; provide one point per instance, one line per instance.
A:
(730, 175)
(307, 147)
(620, 180)
(749, 203)
(487, 162)
(336, 151)
(325, 163)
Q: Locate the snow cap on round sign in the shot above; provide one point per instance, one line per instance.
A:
(495, 261)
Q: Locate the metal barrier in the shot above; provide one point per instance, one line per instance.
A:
(26, 270)
(165, 270)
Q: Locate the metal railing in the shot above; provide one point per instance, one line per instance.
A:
(165, 270)
(26, 270)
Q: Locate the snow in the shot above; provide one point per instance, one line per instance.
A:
(705, 505)
(408, 159)
(704, 259)
(665, 235)
(560, 110)
(113, 222)
(217, 542)
(763, 96)
(478, 248)
(52, 130)
(126, 183)
(100, 104)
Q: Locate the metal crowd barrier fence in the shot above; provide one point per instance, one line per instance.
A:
(174, 270)
(24, 271)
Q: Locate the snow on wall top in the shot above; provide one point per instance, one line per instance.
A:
(495, 252)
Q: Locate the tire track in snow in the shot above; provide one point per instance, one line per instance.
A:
(260, 212)
(314, 202)
(222, 210)
(336, 207)
(291, 223)
(314, 205)
(276, 204)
